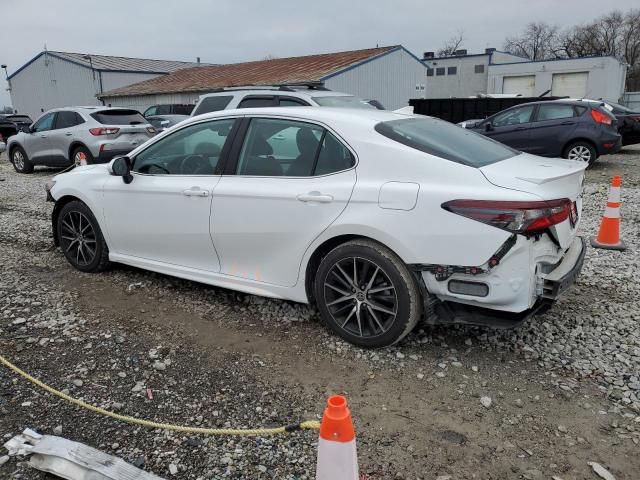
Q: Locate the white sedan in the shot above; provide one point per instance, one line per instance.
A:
(378, 218)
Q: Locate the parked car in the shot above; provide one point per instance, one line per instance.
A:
(276, 96)
(169, 109)
(162, 122)
(80, 135)
(3, 145)
(628, 120)
(376, 217)
(569, 129)
(10, 124)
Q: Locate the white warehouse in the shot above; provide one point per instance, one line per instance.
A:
(391, 75)
(61, 79)
(590, 77)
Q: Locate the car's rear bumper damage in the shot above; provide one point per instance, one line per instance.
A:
(549, 282)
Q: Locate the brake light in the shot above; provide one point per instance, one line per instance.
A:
(600, 117)
(103, 131)
(516, 217)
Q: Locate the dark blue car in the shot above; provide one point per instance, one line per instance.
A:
(570, 129)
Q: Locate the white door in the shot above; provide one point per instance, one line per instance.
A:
(292, 180)
(572, 85)
(525, 85)
(163, 214)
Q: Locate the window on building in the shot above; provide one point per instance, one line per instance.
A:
(429, 72)
(479, 68)
(452, 70)
(440, 71)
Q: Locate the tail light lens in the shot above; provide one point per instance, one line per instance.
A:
(600, 117)
(516, 217)
(103, 131)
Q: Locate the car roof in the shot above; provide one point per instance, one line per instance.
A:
(325, 114)
(275, 91)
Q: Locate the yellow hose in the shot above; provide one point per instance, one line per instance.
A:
(307, 425)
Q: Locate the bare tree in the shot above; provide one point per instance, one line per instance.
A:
(451, 45)
(537, 42)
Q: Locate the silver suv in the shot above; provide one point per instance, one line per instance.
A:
(80, 135)
(276, 96)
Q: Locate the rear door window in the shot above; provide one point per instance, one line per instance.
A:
(119, 117)
(212, 104)
(291, 102)
(67, 120)
(446, 140)
(554, 112)
(257, 102)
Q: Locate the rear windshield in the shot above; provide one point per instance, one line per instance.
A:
(119, 117)
(343, 101)
(446, 140)
(20, 118)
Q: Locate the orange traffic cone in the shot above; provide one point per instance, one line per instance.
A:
(609, 234)
(337, 456)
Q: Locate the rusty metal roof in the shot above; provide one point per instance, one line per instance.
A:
(278, 71)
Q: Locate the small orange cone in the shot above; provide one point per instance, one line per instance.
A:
(337, 456)
(609, 234)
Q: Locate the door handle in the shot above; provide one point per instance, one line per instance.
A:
(567, 123)
(315, 197)
(43, 136)
(68, 134)
(518, 129)
(195, 192)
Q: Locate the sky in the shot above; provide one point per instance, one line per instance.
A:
(227, 31)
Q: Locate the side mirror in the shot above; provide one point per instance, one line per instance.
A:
(27, 129)
(488, 127)
(121, 167)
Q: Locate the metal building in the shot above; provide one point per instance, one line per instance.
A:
(59, 79)
(462, 74)
(587, 77)
(391, 75)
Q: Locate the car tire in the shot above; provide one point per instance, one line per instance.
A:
(581, 151)
(79, 154)
(81, 238)
(350, 293)
(20, 161)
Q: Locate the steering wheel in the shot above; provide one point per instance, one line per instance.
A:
(193, 165)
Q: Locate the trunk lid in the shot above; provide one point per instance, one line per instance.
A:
(548, 179)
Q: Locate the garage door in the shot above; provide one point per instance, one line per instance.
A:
(572, 85)
(525, 85)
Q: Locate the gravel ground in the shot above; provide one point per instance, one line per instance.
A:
(454, 402)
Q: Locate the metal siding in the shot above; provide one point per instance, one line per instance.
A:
(142, 102)
(49, 83)
(391, 79)
(465, 83)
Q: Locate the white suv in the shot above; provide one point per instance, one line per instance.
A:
(276, 96)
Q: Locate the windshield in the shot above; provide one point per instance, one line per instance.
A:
(343, 101)
(446, 140)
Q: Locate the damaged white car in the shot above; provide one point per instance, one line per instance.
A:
(378, 218)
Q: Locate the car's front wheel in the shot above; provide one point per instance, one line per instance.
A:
(366, 294)
(81, 239)
(581, 151)
(20, 161)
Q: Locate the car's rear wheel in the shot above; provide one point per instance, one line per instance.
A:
(20, 161)
(581, 151)
(82, 156)
(81, 238)
(366, 294)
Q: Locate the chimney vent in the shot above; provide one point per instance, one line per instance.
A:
(489, 50)
(428, 55)
(461, 52)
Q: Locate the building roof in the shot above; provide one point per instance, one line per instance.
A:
(107, 63)
(278, 71)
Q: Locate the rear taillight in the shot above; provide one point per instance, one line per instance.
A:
(635, 119)
(600, 117)
(103, 131)
(516, 217)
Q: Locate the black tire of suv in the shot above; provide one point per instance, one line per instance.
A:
(581, 143)
(100, 260)
(408, 299)
(27, 166)
(79, 150)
